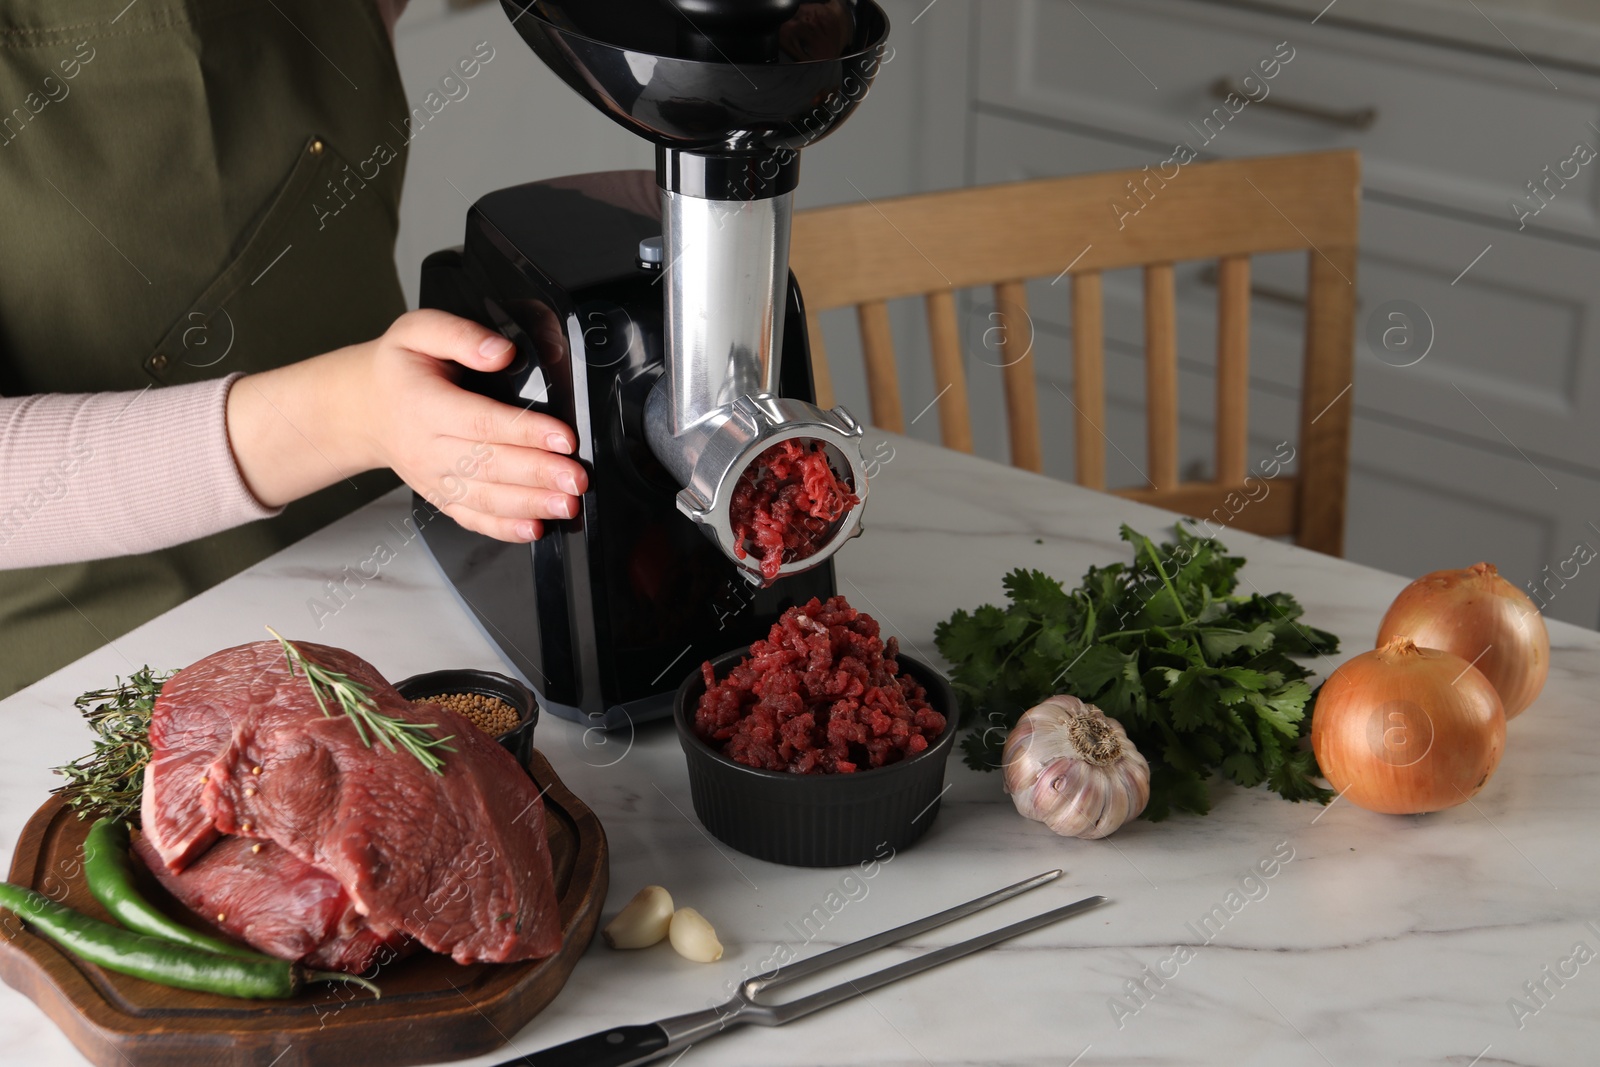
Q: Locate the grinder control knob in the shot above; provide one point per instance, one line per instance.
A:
(651, 255)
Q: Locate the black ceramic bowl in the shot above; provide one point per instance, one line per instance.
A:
(816, 820)
(519, 739)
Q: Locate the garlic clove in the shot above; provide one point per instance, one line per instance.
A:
(1020, 765)
(1024, 769)
(693, 937)
(642, 922)
(1115, 809)
(1136, 780)
(1080, 797)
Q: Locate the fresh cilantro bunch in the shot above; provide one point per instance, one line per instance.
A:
(1203, 680)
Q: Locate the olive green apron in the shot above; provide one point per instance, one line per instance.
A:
(187, 190)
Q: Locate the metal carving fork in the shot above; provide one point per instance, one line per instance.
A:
(628, 1045)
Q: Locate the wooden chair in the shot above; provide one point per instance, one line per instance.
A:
(932, 245)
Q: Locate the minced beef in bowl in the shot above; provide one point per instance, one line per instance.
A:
(822, 694)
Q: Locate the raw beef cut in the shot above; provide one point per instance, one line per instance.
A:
(457, 861)
(260, 894)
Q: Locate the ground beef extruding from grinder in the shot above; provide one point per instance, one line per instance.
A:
(785, 502)
(822, 694)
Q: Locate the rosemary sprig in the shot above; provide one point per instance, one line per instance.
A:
(110, 780)
(354, 699)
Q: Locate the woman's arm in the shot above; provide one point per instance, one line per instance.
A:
(83, 476)
(103, 474)
(393, 403)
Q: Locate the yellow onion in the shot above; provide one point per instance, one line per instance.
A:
(1404, 730)
(1072, 768)
(1482, 618)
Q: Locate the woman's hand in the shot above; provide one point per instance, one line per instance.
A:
(393, 403)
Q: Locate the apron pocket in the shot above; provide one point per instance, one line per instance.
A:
(323, 248)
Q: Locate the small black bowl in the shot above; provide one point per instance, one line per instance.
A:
(519, 739)
(816, 820)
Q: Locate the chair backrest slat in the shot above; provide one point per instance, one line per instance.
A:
(883, 379)
(1325, 398)
(949, 371)
(1015, 348)
(1233, 367)
(1089, 378)
(1161, 375)
(821, 373)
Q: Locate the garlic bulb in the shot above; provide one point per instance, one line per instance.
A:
(1070, 767)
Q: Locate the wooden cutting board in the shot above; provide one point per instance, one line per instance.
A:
(432, 1009)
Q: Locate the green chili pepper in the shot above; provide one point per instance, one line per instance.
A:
(161, 961)
(110, 879)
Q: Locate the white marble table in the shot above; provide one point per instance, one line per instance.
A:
(1379, 940)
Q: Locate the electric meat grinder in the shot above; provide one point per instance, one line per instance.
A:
(656, 315)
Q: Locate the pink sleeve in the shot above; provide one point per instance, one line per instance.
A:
(89, 475)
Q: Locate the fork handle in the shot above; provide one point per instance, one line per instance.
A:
(621, 1046)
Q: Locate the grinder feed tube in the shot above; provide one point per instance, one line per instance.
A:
(717, 410)
(727, 272)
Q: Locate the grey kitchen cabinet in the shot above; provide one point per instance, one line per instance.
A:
(1473, 440)
(1449, 128)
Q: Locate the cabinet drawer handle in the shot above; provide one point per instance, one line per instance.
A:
(1360, 118)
